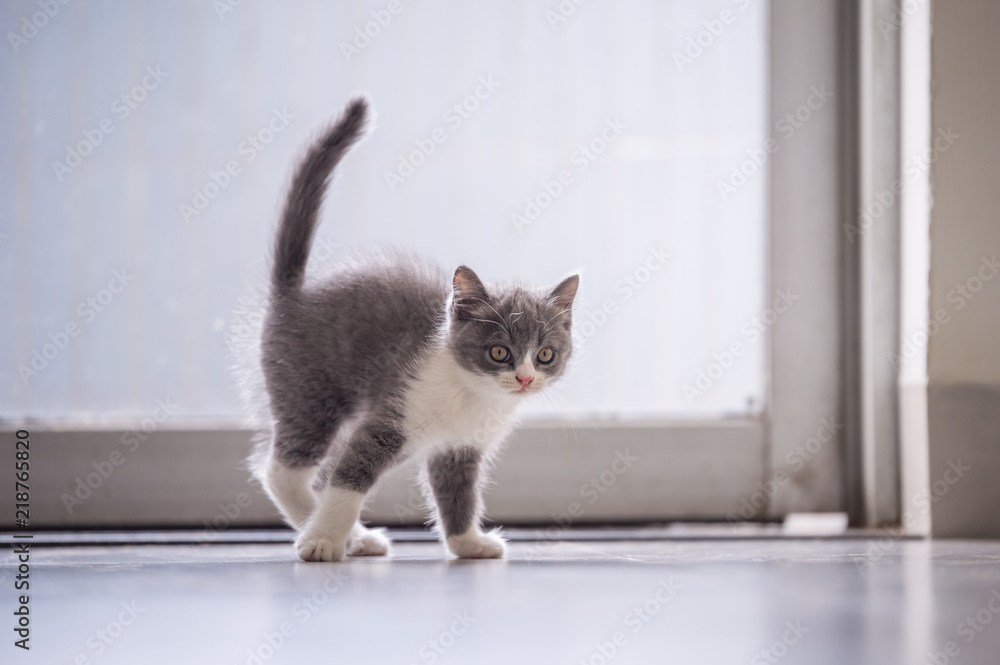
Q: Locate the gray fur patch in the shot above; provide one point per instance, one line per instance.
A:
(372, 449)
(454, 480)
(343, 346)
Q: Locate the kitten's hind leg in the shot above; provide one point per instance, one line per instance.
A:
(289, 489)
(455, 478)
(292, 464)
(326, 536)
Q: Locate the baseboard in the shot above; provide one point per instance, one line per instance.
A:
(964, 487)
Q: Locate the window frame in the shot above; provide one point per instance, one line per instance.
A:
(686, 469)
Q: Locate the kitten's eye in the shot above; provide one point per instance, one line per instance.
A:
(545, 355)
(499, 353)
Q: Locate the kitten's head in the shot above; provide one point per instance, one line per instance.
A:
(519, 338)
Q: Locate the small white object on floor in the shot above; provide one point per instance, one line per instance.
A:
(814, 524)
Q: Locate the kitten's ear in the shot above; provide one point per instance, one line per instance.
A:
(563, 295)
(468, 292)
(562, 298)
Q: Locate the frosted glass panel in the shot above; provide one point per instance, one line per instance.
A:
(146, 147)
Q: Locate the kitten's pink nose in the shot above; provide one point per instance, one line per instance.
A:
(525, 381)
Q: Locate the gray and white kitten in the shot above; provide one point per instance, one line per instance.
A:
(389, 360)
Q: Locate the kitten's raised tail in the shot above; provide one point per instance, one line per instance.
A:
(298, 220)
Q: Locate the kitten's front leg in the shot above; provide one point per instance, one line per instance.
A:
(455, 477)
(327, 535)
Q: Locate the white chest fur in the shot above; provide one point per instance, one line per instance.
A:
(448, 405)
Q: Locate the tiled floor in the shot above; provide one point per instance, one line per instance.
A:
(670, 601)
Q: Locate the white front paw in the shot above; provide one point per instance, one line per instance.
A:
(311, 547)
(478, 545)
(368, 542)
